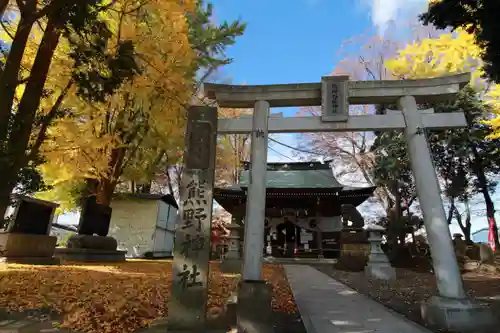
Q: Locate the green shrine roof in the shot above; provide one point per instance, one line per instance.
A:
(295, 175)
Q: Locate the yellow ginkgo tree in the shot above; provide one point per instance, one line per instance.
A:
(143, 117)
(129, 134)
(448, 54)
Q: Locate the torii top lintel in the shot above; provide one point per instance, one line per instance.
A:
(359, 92)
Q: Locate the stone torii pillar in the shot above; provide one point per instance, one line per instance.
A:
(256, 198)
(452, 309)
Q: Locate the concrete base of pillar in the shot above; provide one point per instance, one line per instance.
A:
(457, 315)
(254, 307)
(231, 266)
(382, 271)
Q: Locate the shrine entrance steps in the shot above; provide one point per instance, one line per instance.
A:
(328, 306)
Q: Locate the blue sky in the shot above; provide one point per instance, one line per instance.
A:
(289, 41)
(293, 41)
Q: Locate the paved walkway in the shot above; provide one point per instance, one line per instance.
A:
(328, 306)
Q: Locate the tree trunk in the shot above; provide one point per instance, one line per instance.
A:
(465, 227)
(23, 121)
(4, 204)
(106, 186)
(10, 75)
(104, 193)
(477, 167)
(28, 106)
(451, 209)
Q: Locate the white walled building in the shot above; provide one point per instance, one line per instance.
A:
(144, 224)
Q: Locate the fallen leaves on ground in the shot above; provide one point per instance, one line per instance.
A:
(283, 300)
(108, 298)
(100, 297)
(410, 289)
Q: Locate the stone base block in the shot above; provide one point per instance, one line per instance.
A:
(31, 260)
(90, 255)
(92, 242)
(254, 307)
(231, 266)
(226, 318)
(27, 245)
(456, 315)
(355, 249)
(381, 271)
(28, 249)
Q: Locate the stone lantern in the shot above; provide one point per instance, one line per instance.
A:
(378, 265)
(232, 260)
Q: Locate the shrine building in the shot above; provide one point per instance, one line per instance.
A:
(304, 203)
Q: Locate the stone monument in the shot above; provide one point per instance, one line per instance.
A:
(26, 239)
(378, 265)
(188, 302)
(353, 237)
(92, 244)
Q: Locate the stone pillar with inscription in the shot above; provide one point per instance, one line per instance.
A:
(188, 299)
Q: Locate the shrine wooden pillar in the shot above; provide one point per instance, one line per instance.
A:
(319, 233)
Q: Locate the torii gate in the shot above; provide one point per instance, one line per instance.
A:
(451, 310)
(335, 93)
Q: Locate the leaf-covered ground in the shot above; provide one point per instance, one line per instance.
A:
(411, 288)
(114, 298)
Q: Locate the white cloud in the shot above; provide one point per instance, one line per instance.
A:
(384, 12)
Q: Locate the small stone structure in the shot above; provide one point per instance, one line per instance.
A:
(27, 240)
(378, 265)
(92, 243)
(354, 242)
(353, 239)
(232, 259)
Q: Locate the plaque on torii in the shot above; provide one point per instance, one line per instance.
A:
(334, 102)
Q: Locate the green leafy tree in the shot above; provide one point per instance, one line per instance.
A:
(465, 162)
(464, 159)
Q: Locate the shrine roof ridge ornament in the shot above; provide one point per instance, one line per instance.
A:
(359, 92)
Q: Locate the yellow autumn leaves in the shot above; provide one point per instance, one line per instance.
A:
(450, 53)
(82, 149)
(123, 297)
